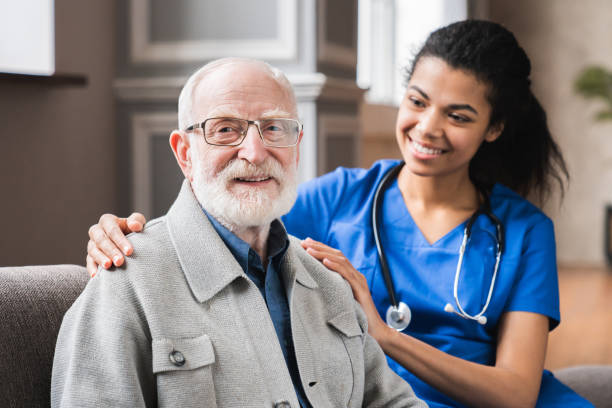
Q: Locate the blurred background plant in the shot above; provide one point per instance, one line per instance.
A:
(596, 82)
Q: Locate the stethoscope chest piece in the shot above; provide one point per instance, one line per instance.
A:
(398, 318)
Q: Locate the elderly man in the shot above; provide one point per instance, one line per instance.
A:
(219, 307)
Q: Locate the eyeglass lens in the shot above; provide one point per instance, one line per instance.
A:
(231, 131)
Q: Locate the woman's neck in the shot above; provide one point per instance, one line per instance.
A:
(453, 191)
(438, 204)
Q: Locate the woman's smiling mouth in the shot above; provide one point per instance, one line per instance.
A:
(421, 149)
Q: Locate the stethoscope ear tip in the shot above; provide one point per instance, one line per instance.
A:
(480, 319)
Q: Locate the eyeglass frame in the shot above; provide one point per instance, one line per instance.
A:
(257, 122)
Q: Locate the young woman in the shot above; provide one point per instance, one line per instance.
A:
(470, 259)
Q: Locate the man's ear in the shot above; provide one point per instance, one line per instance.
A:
(494, 132)
(297, 156)
(179, 142)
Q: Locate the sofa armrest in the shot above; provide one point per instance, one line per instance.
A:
(33, 300)
(593, 382)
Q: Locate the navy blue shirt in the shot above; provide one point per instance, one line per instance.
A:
(270, 284)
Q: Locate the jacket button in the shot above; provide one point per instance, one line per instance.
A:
(282, 404)
(177, 358)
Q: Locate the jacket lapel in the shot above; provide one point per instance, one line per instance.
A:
(199, 247)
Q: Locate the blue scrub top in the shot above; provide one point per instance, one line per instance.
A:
(336, 209)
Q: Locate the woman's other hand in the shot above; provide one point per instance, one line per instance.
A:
(335, 260)
(107, 240)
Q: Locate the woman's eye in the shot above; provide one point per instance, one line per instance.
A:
(459, 118)
(416, 102)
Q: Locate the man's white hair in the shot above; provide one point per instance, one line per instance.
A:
(185, 102)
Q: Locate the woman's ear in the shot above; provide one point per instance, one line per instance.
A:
(494, 131)
(179, 142)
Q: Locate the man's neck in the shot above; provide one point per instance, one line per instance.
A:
(256, 237)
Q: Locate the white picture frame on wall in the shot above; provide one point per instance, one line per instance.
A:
(145, 50)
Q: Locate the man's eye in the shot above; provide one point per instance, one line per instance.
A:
(226, 129)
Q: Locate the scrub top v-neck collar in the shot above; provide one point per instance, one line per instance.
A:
(399, 217)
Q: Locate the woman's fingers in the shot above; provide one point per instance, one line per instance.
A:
(92, 268)
(108, 243)
(311, 243)
(135, 222)
(335, 260)
(97, 256)
(114, 228)
(101, 247)
(339, 260)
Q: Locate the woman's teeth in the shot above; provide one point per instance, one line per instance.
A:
(426, 150)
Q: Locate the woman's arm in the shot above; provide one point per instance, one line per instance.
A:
(514, 380)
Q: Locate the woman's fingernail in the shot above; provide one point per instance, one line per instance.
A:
(116, 259)
(106, 264)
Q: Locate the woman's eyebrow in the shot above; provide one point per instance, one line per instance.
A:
(455, 106)
(419, 90)
(463, 106)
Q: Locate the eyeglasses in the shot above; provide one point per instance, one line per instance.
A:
(232, 131)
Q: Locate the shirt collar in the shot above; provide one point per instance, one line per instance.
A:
(278, 242)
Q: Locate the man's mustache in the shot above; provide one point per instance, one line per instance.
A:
(239, 168)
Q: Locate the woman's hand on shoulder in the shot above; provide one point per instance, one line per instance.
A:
(335, 261)
(107, 242)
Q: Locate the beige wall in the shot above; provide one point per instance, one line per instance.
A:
(57, 147)
(562, 37)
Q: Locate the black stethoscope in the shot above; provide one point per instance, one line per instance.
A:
(399, 314)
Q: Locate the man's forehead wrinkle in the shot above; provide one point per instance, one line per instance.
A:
(243, 104)
(223, 111)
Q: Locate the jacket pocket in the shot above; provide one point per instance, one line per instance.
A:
(352, 334)
(184, 371)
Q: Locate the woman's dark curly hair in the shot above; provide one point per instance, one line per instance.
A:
(525, 157)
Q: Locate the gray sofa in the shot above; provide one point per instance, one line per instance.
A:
(33, 300)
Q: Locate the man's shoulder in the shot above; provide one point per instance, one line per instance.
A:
(150, 276)
(152, 238)
(153, 261)
(315, 268)
(329, 283)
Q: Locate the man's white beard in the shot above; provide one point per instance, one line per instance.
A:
(249, 207)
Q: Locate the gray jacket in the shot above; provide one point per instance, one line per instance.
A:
(183, 326)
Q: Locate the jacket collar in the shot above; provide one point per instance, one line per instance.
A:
(207, 263)
(295, 270)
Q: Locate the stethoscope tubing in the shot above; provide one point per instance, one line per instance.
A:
(400, 309)
(387, 178)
